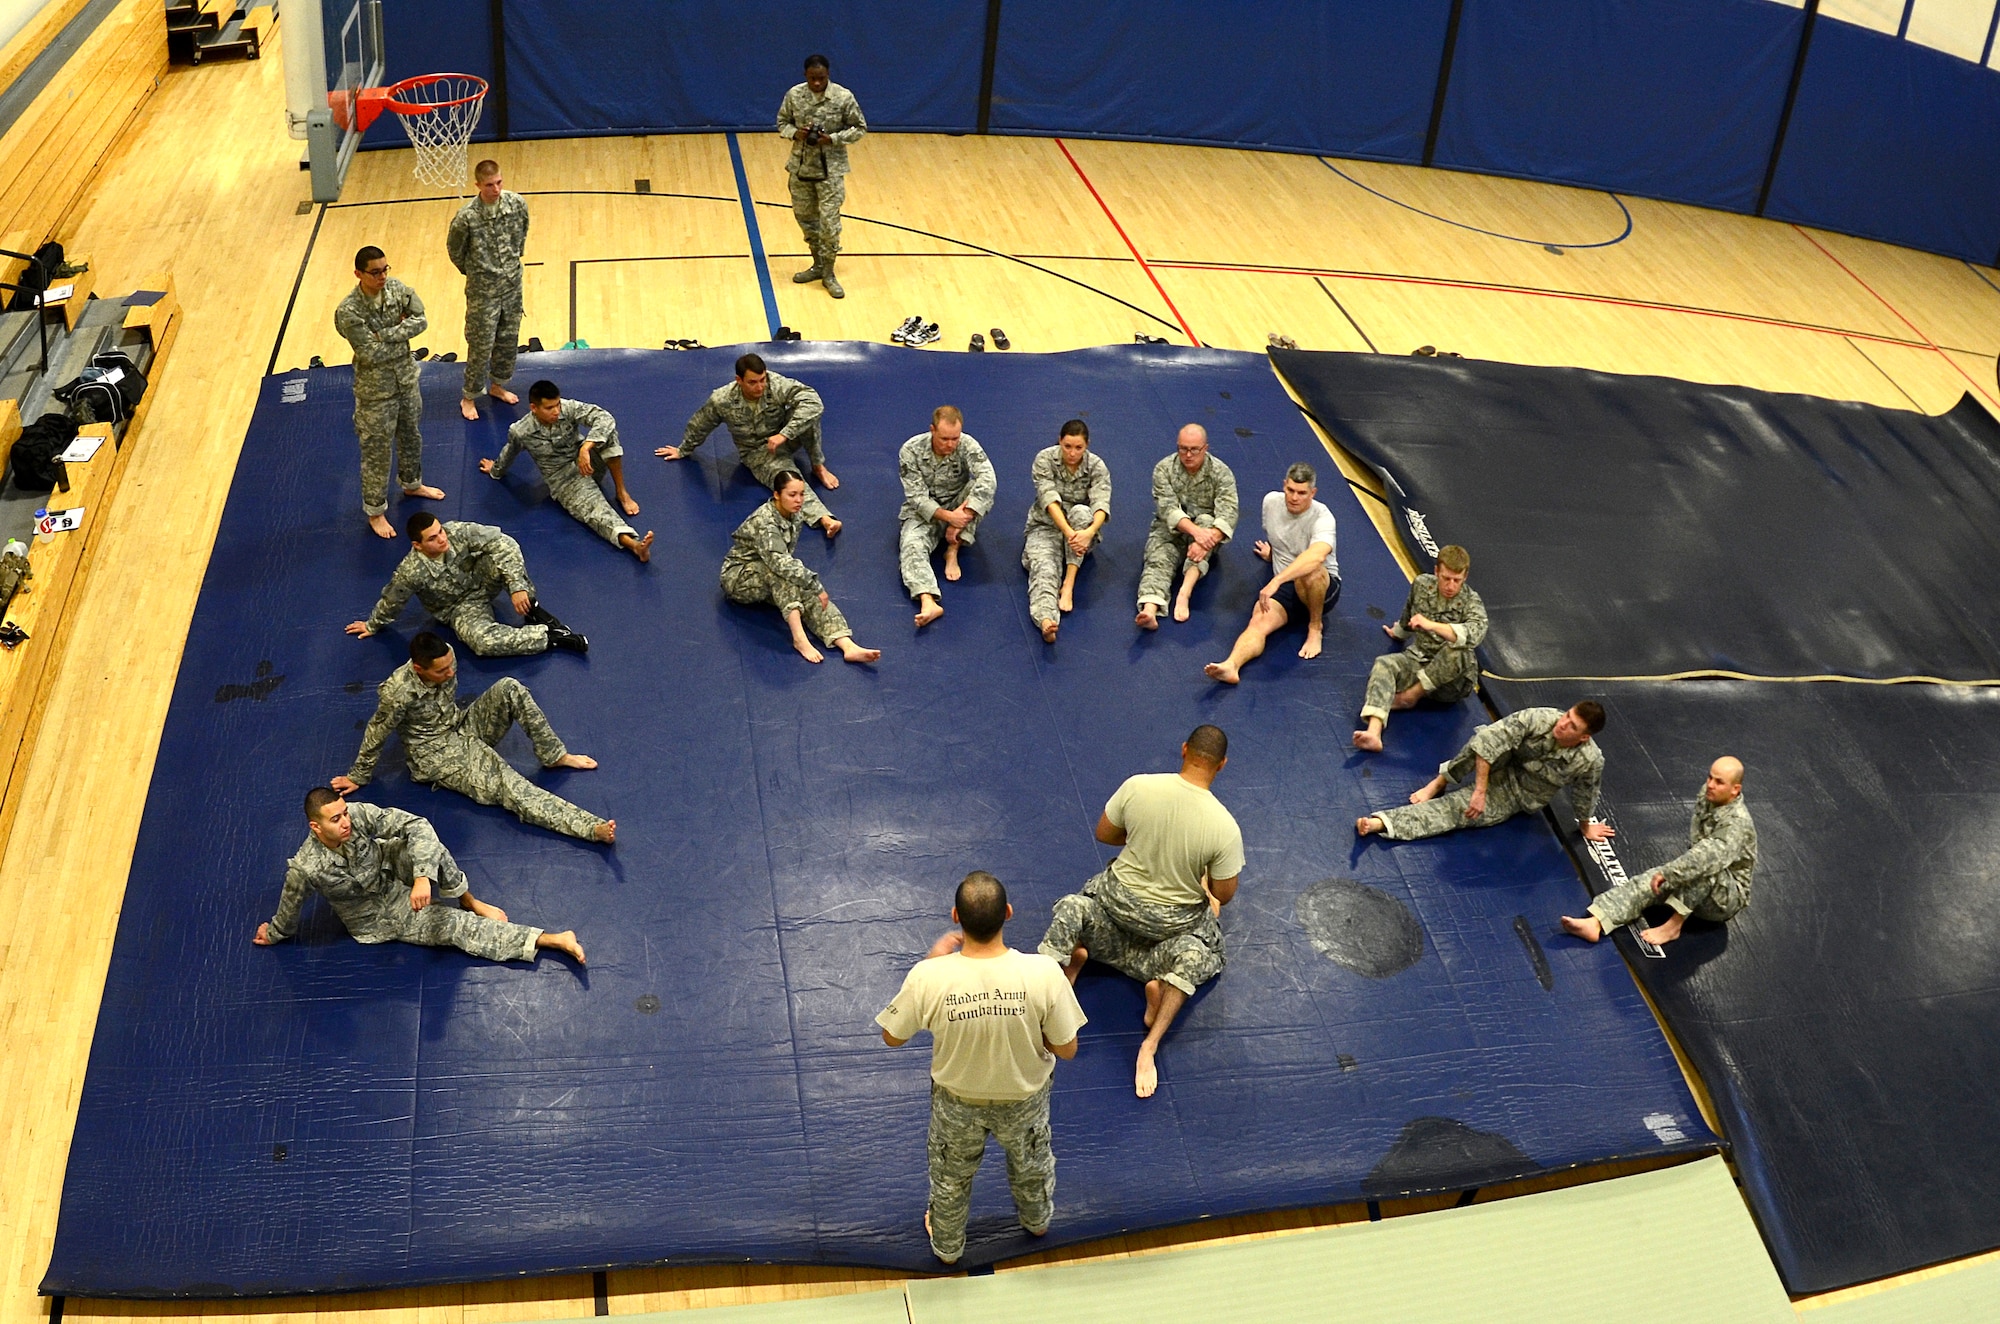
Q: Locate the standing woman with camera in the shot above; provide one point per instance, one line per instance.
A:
(821, 119)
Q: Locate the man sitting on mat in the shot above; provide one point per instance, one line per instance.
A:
(1155, 914)
(1194, 500)
(384, 872)
(998, 1019)
(1517, 764)
(772, 419)
(761, 570)
(1709, 880)
(574, 445)
(1072, 502)
(1305, 575)
(1442, 623)
(948, 486)
(454, 570)
(449, 746)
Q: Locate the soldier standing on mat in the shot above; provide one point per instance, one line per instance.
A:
(948, 486)
(822, 120)
(1072, 502)
(383, 871)
(574, 444)
(772, 419)
(1709, 880)
(486, 240)
(1442, 623)
(762, 571)
(449, 746)
(1194, 500)
(998, 1019)
(378, 318)
(1305, 576)
(1155, 914)
(1518, 764)
(455, 569)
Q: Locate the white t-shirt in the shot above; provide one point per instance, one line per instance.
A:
(1290, 535)
(1175, 832)
(987, 1018)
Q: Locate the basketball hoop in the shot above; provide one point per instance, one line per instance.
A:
(439, 113)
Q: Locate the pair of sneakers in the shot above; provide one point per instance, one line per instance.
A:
(915, 331)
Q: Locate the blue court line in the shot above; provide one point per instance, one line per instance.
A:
(756, 239)
(1494, 234)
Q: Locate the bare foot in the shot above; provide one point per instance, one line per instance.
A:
(639, 547)
(1153, 995)
(380, 524)
(1223, 672)
(1369, 738)
(1662, 934)
(1147, 1078)
(853, 652)
(1427, 791)
(1078, 958)
(607, 831)
(502, 394)
(574, 761)
(1181, 607)
(424, 491)
(928, 610)
(1049, 631)
(469, 410)
(807, 651)
(831, 525)
(1147, 619)
(486, 911)
(825, 476)
(1065, 601)
(1586, 928)
(1311, 646)
(951, 570)
(566, 943)
(1364, 826)
(627, 504)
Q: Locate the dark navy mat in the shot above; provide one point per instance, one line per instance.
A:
(1843, 1023)
(325, 1116)
(1642, 526)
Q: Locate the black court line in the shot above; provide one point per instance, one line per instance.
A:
(297, 281)
(1885, 373)
(1349, 316)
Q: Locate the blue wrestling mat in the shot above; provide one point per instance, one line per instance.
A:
(325, 1116)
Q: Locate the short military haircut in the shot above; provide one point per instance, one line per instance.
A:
(1076, 427)
(1303, 475)
(368, 253)
(427, 648)
(817, 62)
(1591, 713)
(1209, 744)
(784, 478)
(750, 363)
(544, 390)
(982, 906)
(947, 414)
(416, 524)
(317, 799)
(486, 169)
(1455, 559)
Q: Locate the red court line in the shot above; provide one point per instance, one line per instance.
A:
(1610, 300)
(1898, 312)
(1134, 248)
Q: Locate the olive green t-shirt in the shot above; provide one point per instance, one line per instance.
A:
(1175, 832)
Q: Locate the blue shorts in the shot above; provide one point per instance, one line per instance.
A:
(1287, 597)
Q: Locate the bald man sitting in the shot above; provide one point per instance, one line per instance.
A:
(1709, 880)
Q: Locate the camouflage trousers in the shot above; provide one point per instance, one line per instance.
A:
(466, 761)
(918, 539)
(1446, 813)
(443, 923)
(1717, 897)
(754, 586)
(1044, 555)
(959, 1128)
(817, 203)
(1142, 940)
(766, 464)
(1166, 561)
(480, 630)
(492, 335)
(582, 495)
(385, 423)
(1448, 677)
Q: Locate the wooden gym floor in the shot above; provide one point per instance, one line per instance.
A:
(1064, 244)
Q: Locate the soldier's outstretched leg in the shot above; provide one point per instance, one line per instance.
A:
(443, 924)
(478, 629)
(1165, 551)
(916, 540)
(507, 702)
(1042, 556)
(765, 467)
(586, 502)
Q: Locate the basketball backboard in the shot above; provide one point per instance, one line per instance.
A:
(333, 49)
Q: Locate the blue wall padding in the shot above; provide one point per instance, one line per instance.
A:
(1894, 141)
(1671, 99)
(1350, 80)
(788, 839)
(425, 37)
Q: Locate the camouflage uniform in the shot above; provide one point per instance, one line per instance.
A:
(1710, 880)
(446, 745)
(1081, 492)
(1208, 497)
(368, 881)
(1143, 940)
(458, 589)
(554, 450)
(787, 406)
(932, 483)
(1527, 769)
(761, 571)
(485, 244)
(1447, 671)
(388, 400)
(958, 1143)
(819, 174)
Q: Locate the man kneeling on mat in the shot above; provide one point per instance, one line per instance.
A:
(1155, 914)
(382, 870)
(1517, 764)
(998, 1019)
(761, 570)
(1442, 623)
(1709, 880)
(1305, 576)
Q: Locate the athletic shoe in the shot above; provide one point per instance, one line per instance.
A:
(901, 335)
(925, 334)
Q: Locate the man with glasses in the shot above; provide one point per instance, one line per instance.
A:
(1194, 499)
(380, 317)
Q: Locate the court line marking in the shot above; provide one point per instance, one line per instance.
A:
(1063, 147)
(1349, 316)
(298, 282)
(756, 244)
(1623, 235)
(1885, 373)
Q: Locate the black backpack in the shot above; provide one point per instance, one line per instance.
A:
(107, 392)
(34, 462)
(36, 279)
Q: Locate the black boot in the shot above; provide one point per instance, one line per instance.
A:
(561, 636)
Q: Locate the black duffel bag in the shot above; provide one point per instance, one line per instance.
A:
(33, 463)
(107, 392)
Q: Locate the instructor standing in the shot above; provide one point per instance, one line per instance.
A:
(821, 119)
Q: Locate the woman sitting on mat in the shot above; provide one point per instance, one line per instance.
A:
(761, 570)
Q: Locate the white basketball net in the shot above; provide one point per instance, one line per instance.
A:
(440, 115)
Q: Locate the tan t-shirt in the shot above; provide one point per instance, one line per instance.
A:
(987, 1018)
(1175, 832)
